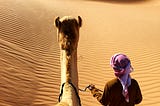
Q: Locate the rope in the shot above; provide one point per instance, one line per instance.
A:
(84, 90)
(61, 93)
(88, 87)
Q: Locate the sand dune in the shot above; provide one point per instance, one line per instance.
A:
(29, 52)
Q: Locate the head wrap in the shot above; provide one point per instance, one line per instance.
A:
(122, 67)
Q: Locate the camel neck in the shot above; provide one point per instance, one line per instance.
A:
(69, 71)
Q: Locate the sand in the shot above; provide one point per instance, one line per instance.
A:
(29, 52)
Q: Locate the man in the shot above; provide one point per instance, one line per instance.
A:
(122, 90)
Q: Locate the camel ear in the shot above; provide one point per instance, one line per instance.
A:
(57, 22)
(79, 21)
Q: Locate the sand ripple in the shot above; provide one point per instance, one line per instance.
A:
(29, 52)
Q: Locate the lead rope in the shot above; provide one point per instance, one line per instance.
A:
(85, 89)
(88, 87)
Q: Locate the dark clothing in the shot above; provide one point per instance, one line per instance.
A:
(112, 95)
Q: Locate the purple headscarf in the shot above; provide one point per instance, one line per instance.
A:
(122, 67)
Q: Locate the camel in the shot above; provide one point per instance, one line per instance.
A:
(68, 37)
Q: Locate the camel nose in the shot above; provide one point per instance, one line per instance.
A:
(66, 43)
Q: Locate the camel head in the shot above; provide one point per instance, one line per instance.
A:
(68, 32)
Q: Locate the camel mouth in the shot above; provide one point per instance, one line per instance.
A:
(67, 45)
(68, 41)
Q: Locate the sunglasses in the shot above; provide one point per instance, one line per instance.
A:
(118, 68)
(121, 68)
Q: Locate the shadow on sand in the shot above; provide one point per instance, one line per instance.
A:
(122, 1)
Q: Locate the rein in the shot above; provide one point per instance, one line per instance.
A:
(82, 90)
(61, 93)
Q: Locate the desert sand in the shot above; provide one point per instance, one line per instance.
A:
(30, 58)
